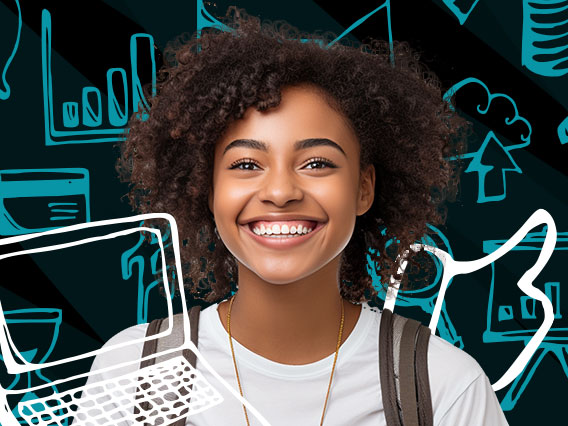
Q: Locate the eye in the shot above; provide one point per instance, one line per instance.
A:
(320, 163)
(244, 164)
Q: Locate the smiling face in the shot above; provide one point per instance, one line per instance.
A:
(290, 169)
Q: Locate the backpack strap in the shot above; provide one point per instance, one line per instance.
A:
(172, 340)
(403, 367)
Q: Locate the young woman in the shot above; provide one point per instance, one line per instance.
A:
(290, 158)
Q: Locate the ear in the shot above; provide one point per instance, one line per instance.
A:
(366, 190)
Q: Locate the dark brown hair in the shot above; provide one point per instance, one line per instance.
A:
(396, 109)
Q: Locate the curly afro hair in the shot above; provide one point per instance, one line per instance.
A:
(391, 100)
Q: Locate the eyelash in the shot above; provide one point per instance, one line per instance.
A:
(328, 163)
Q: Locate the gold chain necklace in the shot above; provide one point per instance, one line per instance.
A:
(332, 369)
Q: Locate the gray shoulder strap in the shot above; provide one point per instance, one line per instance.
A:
(174, 339)
(403, 348)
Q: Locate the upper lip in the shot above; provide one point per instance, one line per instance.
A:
(281, 217)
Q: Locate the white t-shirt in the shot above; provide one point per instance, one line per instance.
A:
(295, 394)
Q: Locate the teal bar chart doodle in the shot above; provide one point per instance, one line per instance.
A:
(92, 113)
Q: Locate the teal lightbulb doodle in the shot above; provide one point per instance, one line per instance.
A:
(425, 297)
(34, 333)
(13, 48)
(545, 37)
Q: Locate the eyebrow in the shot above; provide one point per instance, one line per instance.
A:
(298, 145)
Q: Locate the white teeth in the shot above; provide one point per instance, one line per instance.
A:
(281, 230)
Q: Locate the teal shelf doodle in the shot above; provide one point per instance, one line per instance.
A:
(87, 122)
(23, 326)
(545, 37)
(493, 160)
(424, 298)
(461, 8)
(34, 200)
(5, 87)
(515, 317)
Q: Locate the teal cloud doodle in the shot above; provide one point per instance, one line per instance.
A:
(545, 37)
(461, 8)
(515, 317)
(91, 113)
(34, 200)
(493, 159)
(5, 87)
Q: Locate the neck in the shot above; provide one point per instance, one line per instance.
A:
(293, 323)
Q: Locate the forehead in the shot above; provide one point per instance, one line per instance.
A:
(304, 112)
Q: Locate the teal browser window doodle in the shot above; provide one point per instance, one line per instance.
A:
(85, 121)
(33, 200)
(514, 317)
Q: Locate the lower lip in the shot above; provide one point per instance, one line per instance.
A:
(284, 242)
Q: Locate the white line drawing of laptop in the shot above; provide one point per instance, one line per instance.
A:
(154, 382)
(453, 267)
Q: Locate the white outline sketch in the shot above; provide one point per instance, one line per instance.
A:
(16, 364)
(453, 267)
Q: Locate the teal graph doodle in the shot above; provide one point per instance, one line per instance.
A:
(91, 112)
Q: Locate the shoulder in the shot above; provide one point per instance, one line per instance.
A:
(117, 351)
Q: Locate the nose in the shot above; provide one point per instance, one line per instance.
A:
(280, 187)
